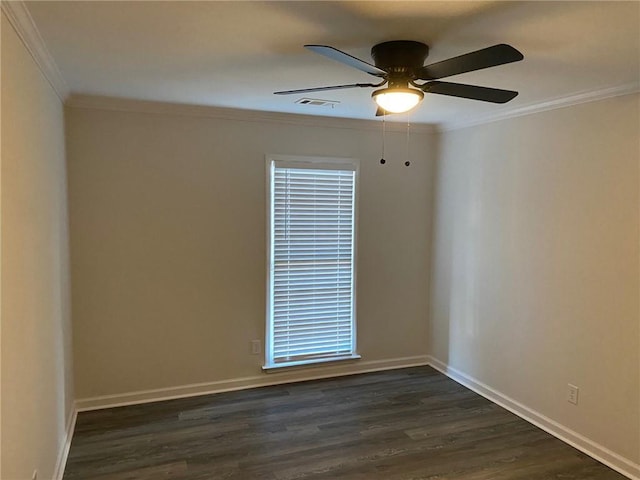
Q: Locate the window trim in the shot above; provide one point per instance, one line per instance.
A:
(318, 162)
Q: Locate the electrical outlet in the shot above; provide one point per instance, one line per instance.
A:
(572, 394)
(34, 476)
(256, 347)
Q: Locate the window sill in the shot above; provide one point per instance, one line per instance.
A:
(308, 363)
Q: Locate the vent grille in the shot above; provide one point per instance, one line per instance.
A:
(316, 102)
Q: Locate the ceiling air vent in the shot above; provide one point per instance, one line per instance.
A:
(316, 102)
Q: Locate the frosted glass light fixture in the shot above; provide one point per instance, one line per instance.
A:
(397, 100)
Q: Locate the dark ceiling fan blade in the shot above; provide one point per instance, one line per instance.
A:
(322, 89)
(469, 62)
(474, 92)
(380, 112)
(340, 56)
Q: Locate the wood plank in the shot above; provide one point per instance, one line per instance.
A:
(405, 424)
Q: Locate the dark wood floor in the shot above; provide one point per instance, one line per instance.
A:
(406, 424)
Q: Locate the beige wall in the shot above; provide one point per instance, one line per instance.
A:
(37, 387)
(535, 280)
(168, 244)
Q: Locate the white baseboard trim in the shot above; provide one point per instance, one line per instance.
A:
(61, 463)
(602, 454)
(263, 380)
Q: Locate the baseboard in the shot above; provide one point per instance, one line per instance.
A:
(602, 454)
(63, 454)
(263, 380)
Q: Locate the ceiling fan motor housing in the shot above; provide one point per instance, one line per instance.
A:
(400, 57)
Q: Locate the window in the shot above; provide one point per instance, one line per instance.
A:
(311, 274)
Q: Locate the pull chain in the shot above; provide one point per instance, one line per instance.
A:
(382, 160)
(407, 162)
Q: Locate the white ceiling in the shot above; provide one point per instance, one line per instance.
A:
(236, 54)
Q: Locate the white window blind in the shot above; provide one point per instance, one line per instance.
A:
(312, 222)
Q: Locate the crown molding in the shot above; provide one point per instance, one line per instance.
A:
(21, 20)
(567, 101)
(165, 108)
(18, 15)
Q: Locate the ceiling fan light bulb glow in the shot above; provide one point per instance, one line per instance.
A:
(397, 100)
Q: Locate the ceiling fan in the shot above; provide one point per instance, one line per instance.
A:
(400, 65)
